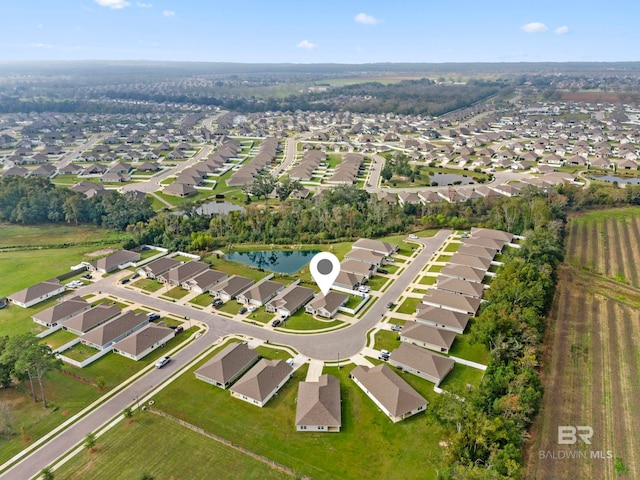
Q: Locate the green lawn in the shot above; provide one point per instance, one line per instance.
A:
(234, 268)
(409, 305)
(273, 353)
(377, 282)
(231, 307)
(435, 268)
(261, 316)
(155, 445)
(148, 284)
(15, 320)
(428, 280)
(176, 293)
(475, 352)
(303, 321)
(443, 258)
(391, 268)
(59, 338)
(386, 340)
(460, 377)
(204, 300)
(80, 352)
(452, 247)
(353, 301)
(270, 431)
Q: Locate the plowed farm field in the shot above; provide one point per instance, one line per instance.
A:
(592, 358)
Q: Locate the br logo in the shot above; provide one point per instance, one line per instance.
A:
(569, 435)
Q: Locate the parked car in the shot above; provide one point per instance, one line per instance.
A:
(87, 276)
(179, 329)
(153, 316)
(123, 281)
(382, 270)
(390, 259)
(390, 304)
(276, 322)
(385, 352)
(252, 308)
(413, 237)
(243, 310)
(217, 303)
(364, 288)
(383, 357)
(396, 328)
(134, 276)
(163, 361)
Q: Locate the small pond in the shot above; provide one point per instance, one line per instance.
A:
(450, 178)
(613, 178)
(281, 261)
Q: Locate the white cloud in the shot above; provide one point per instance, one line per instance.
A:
(366, 19)
(114, 4)
(168, 13)
(563, 30)
(306, 44)
(144, 5)
(534, 27)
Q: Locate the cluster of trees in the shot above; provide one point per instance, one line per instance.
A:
(490, 426)
(264, 184)
(399, 166)
(37, 200)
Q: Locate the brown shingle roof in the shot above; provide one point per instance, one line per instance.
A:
(318, 402)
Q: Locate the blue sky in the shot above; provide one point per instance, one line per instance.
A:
(327, 31)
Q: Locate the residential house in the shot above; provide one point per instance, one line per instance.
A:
(318, 405)
(158, 267)
(426, 336)
(349, 280)
(464, 273)
(179, 189)
(204, 281)
(377, 246)
(395, 397)
(114, 261)
(463, 287)
(61, 311)
(470, 261)
(37, 293)
(141, 343)
(114, 330)
(92, 318)
(260, 293)
(327, 305)
(361, 269)
(183, 272)
(228, 365)
(231, 287)
(262, 382)
(442, 318)
(290, 300)
(477, 251)
(422, 363)
(451, 301)
(366, 256)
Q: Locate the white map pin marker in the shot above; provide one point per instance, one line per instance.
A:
(324, 267)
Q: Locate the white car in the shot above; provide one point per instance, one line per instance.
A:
(364, 288)
(413, 237)
(162, 362)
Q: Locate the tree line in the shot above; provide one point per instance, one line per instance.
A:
(36, 200)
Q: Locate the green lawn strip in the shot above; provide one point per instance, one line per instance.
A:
(109, 301)
(426, 233)
(176, 293)
(303, 321)
(397, 321)
(443, 258)
(391, 268)
(386, 340)
(270, 431)
(80, 352)
(58, 338)
(377, 282)
(353, 301)
(452, 247)
(234, 268)
(155, 445)
(475, 352)
(409, 305)
(419, 290)
(461, 376)
(428, 280)
(148, 284)
(56, 234)
(435, 268)
(28, 267)
(182, 258)
(204, 300)
(273, 353)
(148, 253)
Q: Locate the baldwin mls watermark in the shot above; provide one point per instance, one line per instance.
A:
(575, 435)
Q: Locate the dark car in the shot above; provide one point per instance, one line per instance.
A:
(123, 281)
(217, 302)
(383, 357)
(390, 304)
(382, 270)
(87, 276)
(243, 310)
(276, 322)
(135, 275)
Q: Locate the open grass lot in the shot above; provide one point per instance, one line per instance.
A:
(204, 300)
(377, 282)
(21, 236)
(27, 267)
(409, 305)
(176, 293)
(148, 285)
(452, 247)
(234, 268)
(592, 365)
(154, 445)
(461, 377)
(261, 316)
(231, 306)
(368, 442)
(15, 320)
(386, 340)
(428, 280)
(80, 352)
(463, 348)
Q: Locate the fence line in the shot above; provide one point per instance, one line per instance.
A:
(224, 441)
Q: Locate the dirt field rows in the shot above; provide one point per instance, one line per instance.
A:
(592, 361)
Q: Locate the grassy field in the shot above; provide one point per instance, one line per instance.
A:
(155, 445)
(59, 338)
(409, 305)
(386, 340)
(463, 348)
(377, 282)
(368, 441)
(592, 363)
(148, 284)
(461, 377)
(303, 321)
(53, 234)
